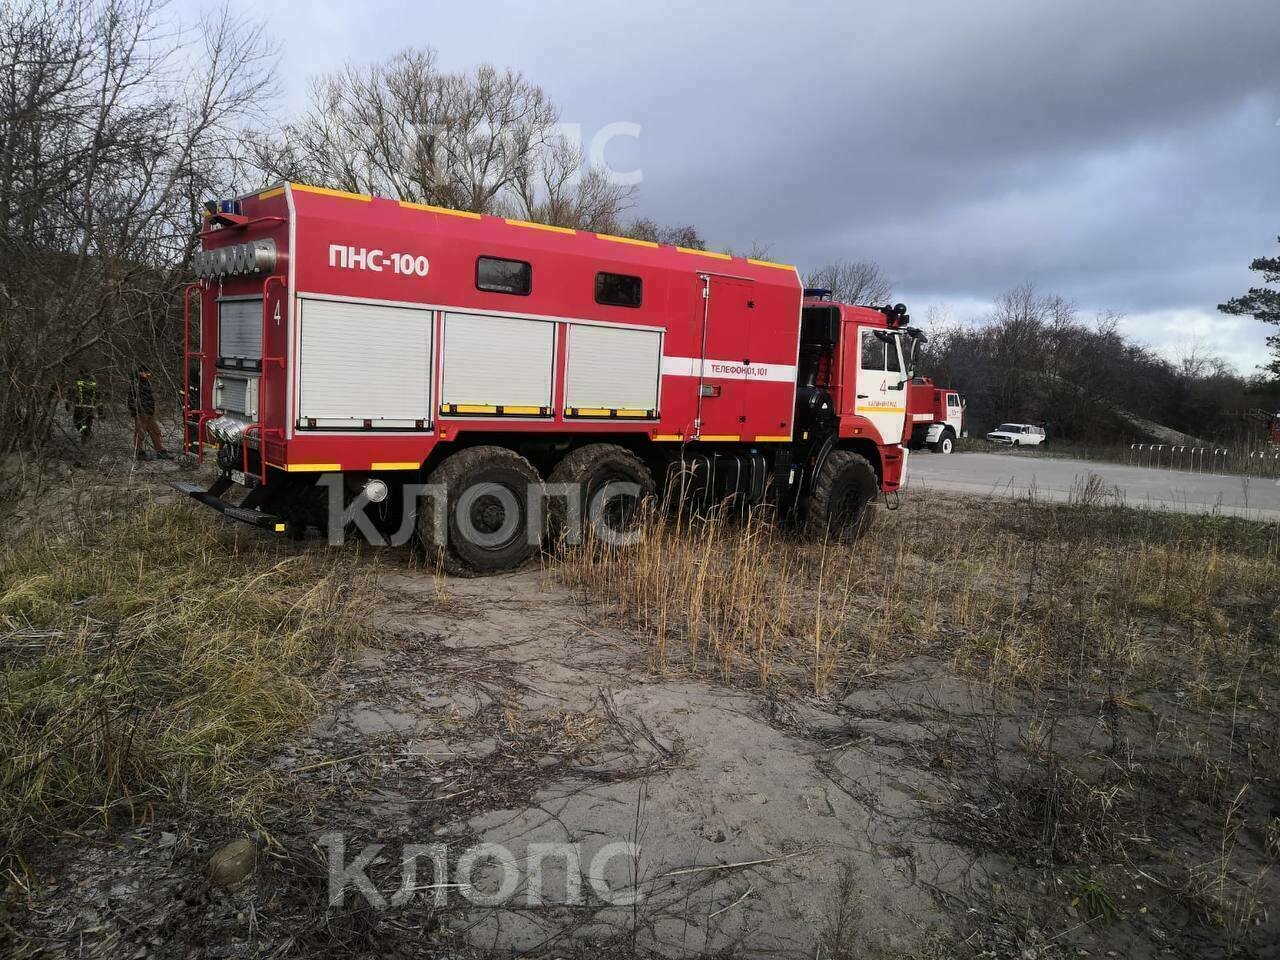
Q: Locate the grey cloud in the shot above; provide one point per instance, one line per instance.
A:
(1124, 155)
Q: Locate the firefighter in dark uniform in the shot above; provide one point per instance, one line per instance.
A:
(84, 403)
(142, 405)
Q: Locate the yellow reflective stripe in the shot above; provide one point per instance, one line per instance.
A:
(326, 192)
(777, 439)
(727, 436)
(705, 253)
(395, 465)
(607, 412)
(497, 410)
(312, 467)
(541, 226)
(668, 436)
(631, 240)
(273, 192)
(766, 263)
(881, 409)
(445, 210)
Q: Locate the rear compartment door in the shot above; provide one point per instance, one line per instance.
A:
(240, 332)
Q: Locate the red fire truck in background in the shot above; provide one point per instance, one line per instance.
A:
(389, 343)
(935, 416)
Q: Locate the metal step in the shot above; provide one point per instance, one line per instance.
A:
(210, 499)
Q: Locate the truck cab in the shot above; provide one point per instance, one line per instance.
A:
(935, 416)
(853, 373)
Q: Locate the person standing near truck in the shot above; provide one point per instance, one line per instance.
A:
(142, 406)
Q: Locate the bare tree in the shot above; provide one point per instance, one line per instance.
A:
(114, 124)
(678, 234)
(554, 186)
(852, 281)
(485, 140)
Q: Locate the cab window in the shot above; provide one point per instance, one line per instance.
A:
(873, 351)
(891, 356)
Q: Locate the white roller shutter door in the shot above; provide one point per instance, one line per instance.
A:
(497, 361)
(613, 368)
(362, 361)
(240, 329)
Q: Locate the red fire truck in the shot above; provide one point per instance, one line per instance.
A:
(364, 344)
(935, 416)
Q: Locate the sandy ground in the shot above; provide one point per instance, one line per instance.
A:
(699, 776)
(1002, 475)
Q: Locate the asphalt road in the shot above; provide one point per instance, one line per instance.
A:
(1005, 475)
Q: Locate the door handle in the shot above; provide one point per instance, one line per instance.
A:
(862, 396)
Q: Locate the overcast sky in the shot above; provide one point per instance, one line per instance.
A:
(1124, 155)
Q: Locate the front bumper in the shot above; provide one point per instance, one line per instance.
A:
(213, 498)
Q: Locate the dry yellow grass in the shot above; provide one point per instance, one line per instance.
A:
(1014, 591)
(149, 655)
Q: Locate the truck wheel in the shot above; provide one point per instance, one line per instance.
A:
(590, 470)
(946, 444)
(487, 492)
(840, 507)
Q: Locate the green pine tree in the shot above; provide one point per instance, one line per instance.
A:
(1262, 303)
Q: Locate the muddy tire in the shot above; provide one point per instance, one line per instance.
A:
(487, 519)
(589, 470)
(841, 507)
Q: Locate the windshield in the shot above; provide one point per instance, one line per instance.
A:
(1009, 428)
